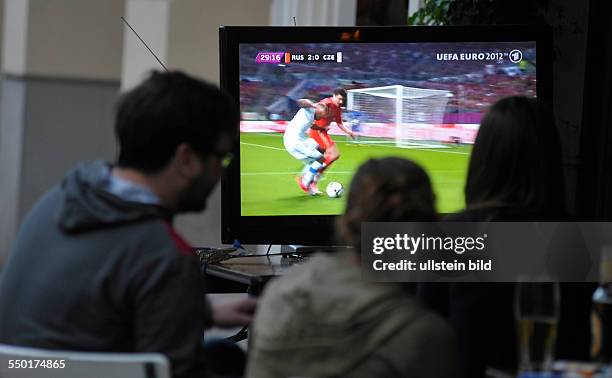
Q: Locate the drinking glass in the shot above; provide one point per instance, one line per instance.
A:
(537, 314)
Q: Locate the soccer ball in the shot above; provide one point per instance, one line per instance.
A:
(334, 189)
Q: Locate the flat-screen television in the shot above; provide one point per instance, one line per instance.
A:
(414, 92)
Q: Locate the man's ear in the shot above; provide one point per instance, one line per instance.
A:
(188, 162)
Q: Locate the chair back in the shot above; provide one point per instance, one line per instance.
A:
(25, 362)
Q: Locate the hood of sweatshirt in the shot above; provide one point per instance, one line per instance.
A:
(86, 205)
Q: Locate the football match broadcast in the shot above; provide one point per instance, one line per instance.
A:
(312, 113)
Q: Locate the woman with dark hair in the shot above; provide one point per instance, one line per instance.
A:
(323, 320)
(516, 166)
(515, 174)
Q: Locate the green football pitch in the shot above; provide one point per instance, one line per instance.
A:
(268, 185)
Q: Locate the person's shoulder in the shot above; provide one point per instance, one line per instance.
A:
(153, 254)
(506, 214)
(153, 240)
(304, 279)
(296, 276)
(280, 305)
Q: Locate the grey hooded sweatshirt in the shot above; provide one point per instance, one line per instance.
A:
(89, 271)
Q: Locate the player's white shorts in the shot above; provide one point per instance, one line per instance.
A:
(303, 149)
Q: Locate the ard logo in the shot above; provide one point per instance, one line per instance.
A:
(515, 56)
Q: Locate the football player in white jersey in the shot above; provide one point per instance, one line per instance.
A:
(302, 147)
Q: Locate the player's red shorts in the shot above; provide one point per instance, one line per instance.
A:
(322, 138)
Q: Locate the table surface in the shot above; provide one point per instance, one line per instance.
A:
(244, 268)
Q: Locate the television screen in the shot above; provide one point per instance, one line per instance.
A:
(417, 93)
(422, 101)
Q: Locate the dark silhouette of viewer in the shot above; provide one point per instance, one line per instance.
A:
(97, 264)
(516, 166)
(515, 174)
(323, 320)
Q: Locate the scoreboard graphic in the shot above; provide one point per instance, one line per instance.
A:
(288, 57)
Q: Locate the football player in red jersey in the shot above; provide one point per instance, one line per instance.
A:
(318, 131)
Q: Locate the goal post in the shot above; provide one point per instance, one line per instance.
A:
(409, 111)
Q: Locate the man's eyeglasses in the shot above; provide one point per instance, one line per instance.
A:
(225, 158)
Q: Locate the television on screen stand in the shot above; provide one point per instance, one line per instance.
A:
(414, 92)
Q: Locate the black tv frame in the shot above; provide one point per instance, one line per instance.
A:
(319, 229)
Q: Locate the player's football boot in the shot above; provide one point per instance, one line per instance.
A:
(304, 188)
(314, 190)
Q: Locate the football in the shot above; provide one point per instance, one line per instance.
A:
(334, 189)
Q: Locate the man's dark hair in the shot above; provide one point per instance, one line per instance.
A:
(516, 160)
(339, 91)
(167, 109)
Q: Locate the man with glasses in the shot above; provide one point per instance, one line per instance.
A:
(97, 264)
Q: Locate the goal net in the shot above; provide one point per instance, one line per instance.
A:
(405, 115)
